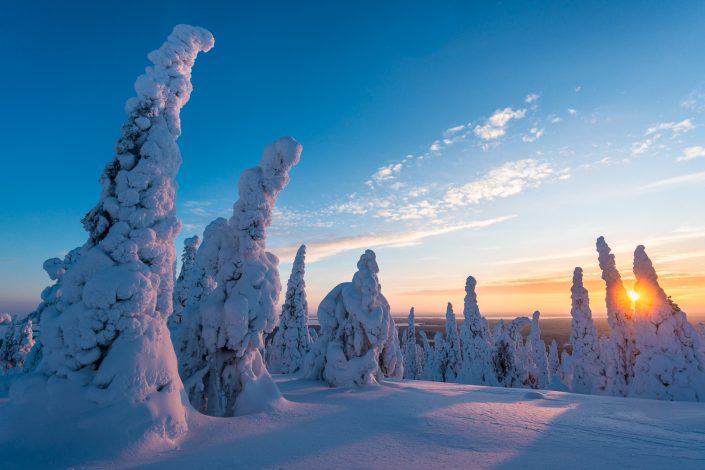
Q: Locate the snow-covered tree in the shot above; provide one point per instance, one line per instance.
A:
(185, 280)
(620, 347)
(566, 371)
(356, 328)
(409, 349)
(103, 324)
(222, 339)
(476, 341)
(16, 340)
(670, 364)
(554, 361)
(431, 369)
(537, 368)
(291, 341)
(507, 354)
(588, 370)
(450, 359)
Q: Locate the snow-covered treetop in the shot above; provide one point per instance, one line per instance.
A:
(258, 189)
(366, 281)
(617, 299)
(298, 269)
(652, 298)
(579, 294)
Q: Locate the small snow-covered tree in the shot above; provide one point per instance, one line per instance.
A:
(103, 324)
(507, 355)
(450, 358)
(431, 369)
(16, 340)
(554, 361)
(537, 376)
(670, 364)
(476, 341)
(409, 349)
(221, 343)
(357, 338)
(566, 371)
(291, 341)
(185, 280)
(588, 370)
(620, 348)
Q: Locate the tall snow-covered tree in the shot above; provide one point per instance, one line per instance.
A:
(185, 280)
(537, 368)
(356, 328)
(588, 370)
(450, 359)
(103, 324)
(409, 349)
(221, 343)
(554, 361)
(620, 346)
(670, 364)
(476, 341)
(291, 342)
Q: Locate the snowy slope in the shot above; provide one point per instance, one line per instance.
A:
(416, 424)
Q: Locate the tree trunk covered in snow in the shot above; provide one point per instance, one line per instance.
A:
(588, 370)
(292, 341)
(476, 341)
(670, 364)
(103, 324)
(358, 342)
(620, 346)
(221, 341)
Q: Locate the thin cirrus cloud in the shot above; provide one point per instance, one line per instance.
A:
(692, 153)
(317, 251)
(676, 181)
(496, 125)
(655, 132)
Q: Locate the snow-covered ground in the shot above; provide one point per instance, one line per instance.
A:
(416, 424)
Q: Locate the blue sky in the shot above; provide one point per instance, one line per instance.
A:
(497, 139)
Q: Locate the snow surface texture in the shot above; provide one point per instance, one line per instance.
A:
(413, 424)
(670, 364)
(358, 342)
(186, 280)
(106, 352)
(292, 341)
(221, 339)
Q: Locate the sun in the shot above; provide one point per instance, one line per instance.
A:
(633, 295)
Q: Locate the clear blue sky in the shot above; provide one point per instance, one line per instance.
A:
(594, 104)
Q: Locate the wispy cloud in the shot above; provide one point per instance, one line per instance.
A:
(691, 153)
(531, 97)
(503, 181)
(676, 180)
(695, 101)
(676, 128)
(496, 125)
(387, 173)
(534, 134)
(316, 251)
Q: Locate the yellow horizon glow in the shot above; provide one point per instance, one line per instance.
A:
(633, 295)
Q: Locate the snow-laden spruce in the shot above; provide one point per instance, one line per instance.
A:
(409, 348)
(185, 280)
(292, 341)
(103, 324)
(620, 346)
(431, 371)
(222, 337)
(357, 338)
(476, 341)
(670, 364)
(16, 341)
(538, 376)
(450, 355)
(508, 352)
(588, 370)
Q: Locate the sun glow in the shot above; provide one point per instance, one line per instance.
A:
(633, 295)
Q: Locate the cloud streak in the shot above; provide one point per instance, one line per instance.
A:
(496, 125)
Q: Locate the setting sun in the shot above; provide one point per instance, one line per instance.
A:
(633, 295)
